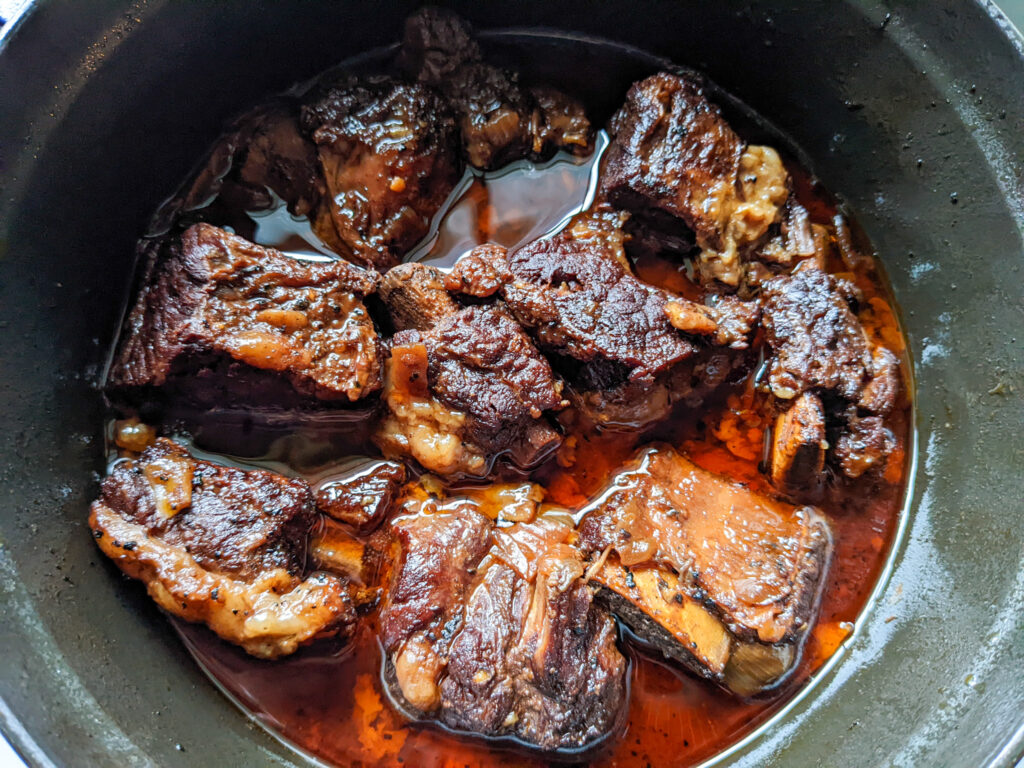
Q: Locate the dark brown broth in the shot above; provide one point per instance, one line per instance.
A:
(329, 701)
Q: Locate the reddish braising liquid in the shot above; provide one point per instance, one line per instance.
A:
(328, 700)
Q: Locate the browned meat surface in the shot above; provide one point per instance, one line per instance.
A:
(673, 156)
(467, 387)
(263, 151)
(882, 389)
(220, 546)
(610, 334)
(798, 448)
(494, 631)
(390, 158)
(481, 273)
(815, 336)
(224, 322)
(864, 444)
(819, 346)
(579, 301)
(500, 120)
(362, 497)
(277, 156)
(756, 562)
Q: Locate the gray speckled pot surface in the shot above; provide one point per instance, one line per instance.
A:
(899, 106)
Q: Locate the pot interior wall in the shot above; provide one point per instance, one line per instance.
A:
(915, 116)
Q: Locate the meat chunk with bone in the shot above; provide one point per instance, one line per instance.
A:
(463, 386)
(664, 616)
(500, 120)
(390, 158)
(755, 564)
(675, 158)
(494, 630)
(820, 352)
(611, 335)
(222, 321)
(220, 546)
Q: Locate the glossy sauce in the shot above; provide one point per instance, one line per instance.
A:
(328, 700)
(511, 206)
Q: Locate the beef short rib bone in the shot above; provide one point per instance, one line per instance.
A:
(664, 615)
(225, 322)
(220, 546)
(755, 562)
(799, 444)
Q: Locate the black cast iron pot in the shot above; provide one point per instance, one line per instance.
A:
(913, 113)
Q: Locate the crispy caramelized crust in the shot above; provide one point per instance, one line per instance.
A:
(864, 444)
(220, 546)
(389, 155)
(820, 351)
(817, 340)
(578, 300)
(623, 345)
(224, 321)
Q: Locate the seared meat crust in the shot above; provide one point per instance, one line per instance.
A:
(815, 335)
(674, 157)
(756, 561)
(224, 321)
(819, 349)
(221, 546)
(362, 499)
(483, 364)
(672, 148)
(621, 343)
(579, 302)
